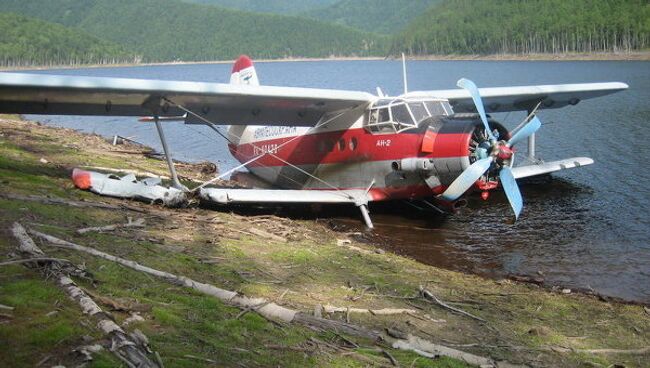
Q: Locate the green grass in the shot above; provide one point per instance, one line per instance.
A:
(31, 334)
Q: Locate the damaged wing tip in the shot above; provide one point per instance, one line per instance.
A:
(81, 179)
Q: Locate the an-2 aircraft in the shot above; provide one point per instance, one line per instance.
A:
(330, 146)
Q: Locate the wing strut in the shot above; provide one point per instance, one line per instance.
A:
(170, 162)
(366, 216)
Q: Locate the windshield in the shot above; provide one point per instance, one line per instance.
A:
(399, 114)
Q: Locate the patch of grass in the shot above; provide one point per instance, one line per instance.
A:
(43, 319)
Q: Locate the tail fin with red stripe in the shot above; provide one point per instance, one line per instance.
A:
(243, 72)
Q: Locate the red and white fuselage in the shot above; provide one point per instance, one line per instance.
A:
(400, 148)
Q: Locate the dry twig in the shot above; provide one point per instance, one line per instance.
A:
(429, 296)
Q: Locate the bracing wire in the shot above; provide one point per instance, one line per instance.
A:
(264, 152)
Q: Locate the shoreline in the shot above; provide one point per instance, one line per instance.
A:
(607, 56)
(528, 279)
(300, 264)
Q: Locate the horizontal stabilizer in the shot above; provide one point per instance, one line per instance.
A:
(549, 167)
(225, 196)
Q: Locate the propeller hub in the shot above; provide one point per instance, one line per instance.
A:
(503, 152)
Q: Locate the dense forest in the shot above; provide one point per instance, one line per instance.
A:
(201, 30)
(531, 26)
(379, 16)
(170, 30)
(269, 6)
(28, 42)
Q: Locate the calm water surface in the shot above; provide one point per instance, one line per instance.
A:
(587, 228)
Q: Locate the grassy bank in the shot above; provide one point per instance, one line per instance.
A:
(303, 266)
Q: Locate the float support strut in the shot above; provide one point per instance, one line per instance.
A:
(531, 147)
(366, 216)
(170, 162)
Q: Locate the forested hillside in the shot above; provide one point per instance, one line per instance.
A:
(269, 6)
(27, 42)
(174, 30)
(532, 26)
(380, 16)
(167, 30)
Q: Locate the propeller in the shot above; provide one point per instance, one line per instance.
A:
(498, 153)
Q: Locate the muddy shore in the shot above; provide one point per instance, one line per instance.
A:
(299, 264)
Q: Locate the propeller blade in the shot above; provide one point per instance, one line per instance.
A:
(511, 188)
(476, 96)
(526, 131)
(466, 179)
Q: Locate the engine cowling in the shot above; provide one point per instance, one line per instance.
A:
(449, 143)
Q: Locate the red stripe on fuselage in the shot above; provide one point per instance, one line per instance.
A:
(349, 145)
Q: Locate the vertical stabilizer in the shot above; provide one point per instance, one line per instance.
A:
(243, 72)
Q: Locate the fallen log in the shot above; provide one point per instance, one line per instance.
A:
(137, 223)
(124, 347)
(377, 312)
(276, 312)
(639, 351)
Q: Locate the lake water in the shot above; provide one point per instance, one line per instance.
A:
(588, 228)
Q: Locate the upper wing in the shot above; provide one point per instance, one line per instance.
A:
(219, 103)
(502, 99)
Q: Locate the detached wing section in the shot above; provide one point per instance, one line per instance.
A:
(24, 93)
(526, 98)
(226, 196)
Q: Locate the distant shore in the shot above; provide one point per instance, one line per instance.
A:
(598, 56)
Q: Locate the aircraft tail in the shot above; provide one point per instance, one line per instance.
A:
(243, 72)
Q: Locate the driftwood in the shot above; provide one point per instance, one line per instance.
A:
(137, 223)
(429, 296)
(639, 351)
(276, 312)
(123, 346)
(376, 312)
(428, 349)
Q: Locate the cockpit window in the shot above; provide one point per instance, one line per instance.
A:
(418, 110)
(436, 108)
(380, 120)
(400, 114)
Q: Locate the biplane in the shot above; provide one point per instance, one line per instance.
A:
(331, 146)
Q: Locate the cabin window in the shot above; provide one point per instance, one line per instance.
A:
(341, 144)
(353, 144)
